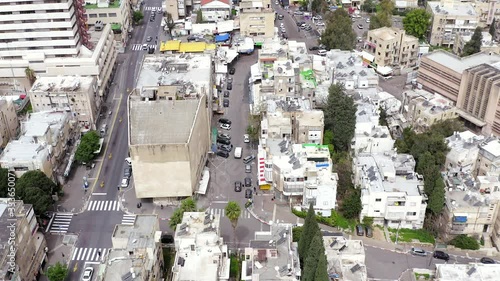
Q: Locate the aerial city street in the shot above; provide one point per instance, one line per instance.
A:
(249, 140)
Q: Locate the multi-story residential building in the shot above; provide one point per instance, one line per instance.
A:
(116, 13)
(488, 160)
(9, 124)
(450, 17)
(486, 10)
(136, 254)
(391, 192)
(376, 140)
(463, 153)
(215, 10)
(346, 258)
(272, 255)
(487, 45)
(392, 47)
(471, 271)
(43, 144)
(29, 248)
(283, 76)
(177, 153)
(406, 5)
(199, 245)
(257, 19)
(68, 93)
(423, 109)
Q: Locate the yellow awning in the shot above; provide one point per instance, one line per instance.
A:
(211, 46)
(193, 47)
(172, 45)
(265, 186)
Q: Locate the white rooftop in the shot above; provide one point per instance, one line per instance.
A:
(459, 64)
(24, 150)
(467, 272)
(455, 9)
(40, 122)
(493, 147)
(62, 84)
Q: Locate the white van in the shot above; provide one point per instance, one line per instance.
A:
(322, 53)
(237, 152)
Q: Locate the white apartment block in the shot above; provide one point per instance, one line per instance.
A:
(375, 140)
(199, 245)
(9, 124)
(216, 10)
(391, 192)
(488, 160)
(257, 19)
(464, 150)
(68, 93)
(345, 257)
(117, 13)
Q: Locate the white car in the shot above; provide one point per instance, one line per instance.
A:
(225, 126)
(368, 20)
(246, 138)
(128, 160)
(282, 25)
(87, 274)
(124, 183)
(320, 24)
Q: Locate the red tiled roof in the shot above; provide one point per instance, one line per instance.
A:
(204, 2)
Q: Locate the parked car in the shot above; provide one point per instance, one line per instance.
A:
(229, 86)
(225, 103)
(248, 168)
(298, 13)
(486, 260)
(248, 193)
(360, 26)
(225, 147)
(300, 23)
(128, 160)
(127, 172)
(246, 138)
(280, 17)
(223, 153)
(223, 141)
(144, 47)
(124, 183)
(248, 182)
(314, 48)
(237, 186)
(360, 230)
(87, 274)
(307, 28)
(232, 70)
(320, 23)
(226, 94)
(441, 255)
(418, 252)
(167, 239)
(248, 159)
(223, 136)
(322, 53)
(225, 126)
(368, 20)
(225, 121)
(369, 232)
(230, 80)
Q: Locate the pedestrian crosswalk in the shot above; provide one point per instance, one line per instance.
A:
(221, 212)
(103, 206)
(89, 254)
(128, 219)
(60, 223)
(149, 8)
(138, 47)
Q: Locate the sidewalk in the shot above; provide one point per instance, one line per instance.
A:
(61, 249)
(74, 196)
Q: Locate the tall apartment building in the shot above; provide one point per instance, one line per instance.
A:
(30, 247)
(257, 19)
(33, 31)
(448, 18)
(9, 123)
(117, 13)
(392, 47)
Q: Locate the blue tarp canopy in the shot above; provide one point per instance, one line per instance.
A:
(222, 37)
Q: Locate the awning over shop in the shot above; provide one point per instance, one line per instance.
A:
(384, 70)
(172, 45)
(193, 47)
(222, 37)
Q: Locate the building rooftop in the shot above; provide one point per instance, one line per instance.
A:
(288, 105)
(367, 113)
(175, 118)
(26, 149)
(140, 235)
(62, 84)
(120, 264)
(346, 257)
(40, 122)
(467, 272)
(459, 64)
(463, 141)
(455, 9)
(464, 191)
(193, 71)
(348, 65)
(436, 105)
(298, 52)
(384, 33)
(493, 147)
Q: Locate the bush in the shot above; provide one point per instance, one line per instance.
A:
(296, 232)
(465, 242)
(334, 220)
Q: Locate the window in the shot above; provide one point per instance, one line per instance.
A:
(376, 211)
(411, 213)
(378, 199)
(112, 15)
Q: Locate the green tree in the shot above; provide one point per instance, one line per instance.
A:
(30, 74)
(383, 16)
(474, 44)
(35, 188)
(297, 233)
(465, 242)
(315, 251)
(493, 29)
(4, 183)
(368, 221)
(88, 145)
(344, 169)
(382, 121)
(57, 272)
(437, 197)
(319, 6)
(310, 228)
(448, 127)
(170, 23)
(322, 268)
(253, 133)
(187, 205)
(137, 16)
(368, 6)
(199, 16)
(339, 33)
(351, 206)
(340, 117)
(328, 140)
(233, 213)
(416, 22)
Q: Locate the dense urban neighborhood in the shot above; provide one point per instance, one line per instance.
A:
(249, 140)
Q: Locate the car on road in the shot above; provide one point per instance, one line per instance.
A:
(225, 103)
(248, 159)
(369, 232)
(418, 252)
(225, 121)
(128, 160)
(246, 138)
(225, 147)
(225, 126)
(360, 39)
(237, 186)
(248, 168)
(223, 136)
(298, 13)
(149, 39)
(360, 230)
(124, 183)
(282, 25)
(313, 48)
(223, 153)
(232, 70)
(248, 182)
(144, 47)
(223, 141)
(152, 19)
(317, 18)
(127, 172)
(87, 274)
(322, 53)
(360, 26)
(367, 20)
(280, 17)
(300, 23)
(486, 260)
(320, 23)
(307, 28)
(248, 193)
(159, 12)
(441, 255)
(230, 80)
(167, 239)
(229, 86)
(283, 30)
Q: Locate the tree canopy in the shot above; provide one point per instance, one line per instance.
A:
(383, 16)
(340, 117)
(416, 22)
(493, 28)
(465, 242)
(369, 6)
(308, 232)
(35, 188)
(187, 205)
(57, 272)
(319, 6)
(137, 16)
(4, 183)
(474, 44)
(339, 33)
(88, 145)
(351, 206)
(233, 212)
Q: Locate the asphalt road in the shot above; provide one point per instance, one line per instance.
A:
(94, 228)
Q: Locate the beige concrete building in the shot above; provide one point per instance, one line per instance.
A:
(487, 46)
(486, 10)
(392, 47)
(116, 13)
(30, 247)
(136, 254)
(257, 19)
(488, 160)
(68, 93)
(450, 17)
(9, 124)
